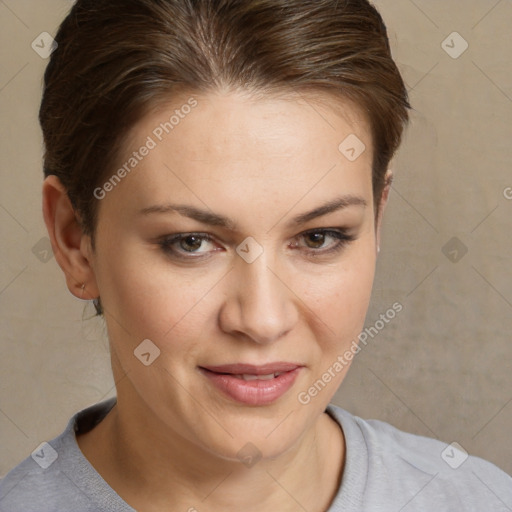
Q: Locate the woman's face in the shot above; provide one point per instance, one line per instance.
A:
(268, 279)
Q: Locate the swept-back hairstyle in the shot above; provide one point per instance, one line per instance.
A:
(116, 60)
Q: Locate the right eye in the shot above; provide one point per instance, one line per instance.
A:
(185, 245)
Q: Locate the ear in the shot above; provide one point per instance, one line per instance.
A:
(71, 247)
(388, 179)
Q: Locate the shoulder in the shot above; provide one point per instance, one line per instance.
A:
(56, 476)
(408, 468)
(36, 482)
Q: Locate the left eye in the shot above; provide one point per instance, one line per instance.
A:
(316, 240)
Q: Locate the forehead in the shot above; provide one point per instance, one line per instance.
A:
(235, 143)
(219, 121)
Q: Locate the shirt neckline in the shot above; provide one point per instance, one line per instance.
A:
(77, 468)
(348, 498)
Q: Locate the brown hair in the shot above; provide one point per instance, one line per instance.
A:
(118, 59)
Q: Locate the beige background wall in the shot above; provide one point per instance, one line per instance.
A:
(441, 368)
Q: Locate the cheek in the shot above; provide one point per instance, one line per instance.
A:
(339, 297)
(338, 310)
(139, 292)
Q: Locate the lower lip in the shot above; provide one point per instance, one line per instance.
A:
(252, 392)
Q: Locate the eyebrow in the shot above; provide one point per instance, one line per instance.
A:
(214, 219)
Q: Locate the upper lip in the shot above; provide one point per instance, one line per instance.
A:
(251, 369)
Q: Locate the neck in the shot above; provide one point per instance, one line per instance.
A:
(153, 468)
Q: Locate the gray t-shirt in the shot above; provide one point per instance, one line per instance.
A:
(386, 470)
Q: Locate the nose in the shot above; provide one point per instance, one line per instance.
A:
(259, 303)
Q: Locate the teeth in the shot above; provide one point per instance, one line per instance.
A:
(247, 376)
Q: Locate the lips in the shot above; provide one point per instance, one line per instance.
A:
(251, 384)
(250, 369)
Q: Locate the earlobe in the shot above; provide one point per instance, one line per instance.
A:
(70, 245)
(388, 180)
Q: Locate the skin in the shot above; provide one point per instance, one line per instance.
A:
(259, 162)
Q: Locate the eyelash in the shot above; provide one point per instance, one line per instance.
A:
(340, 234)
